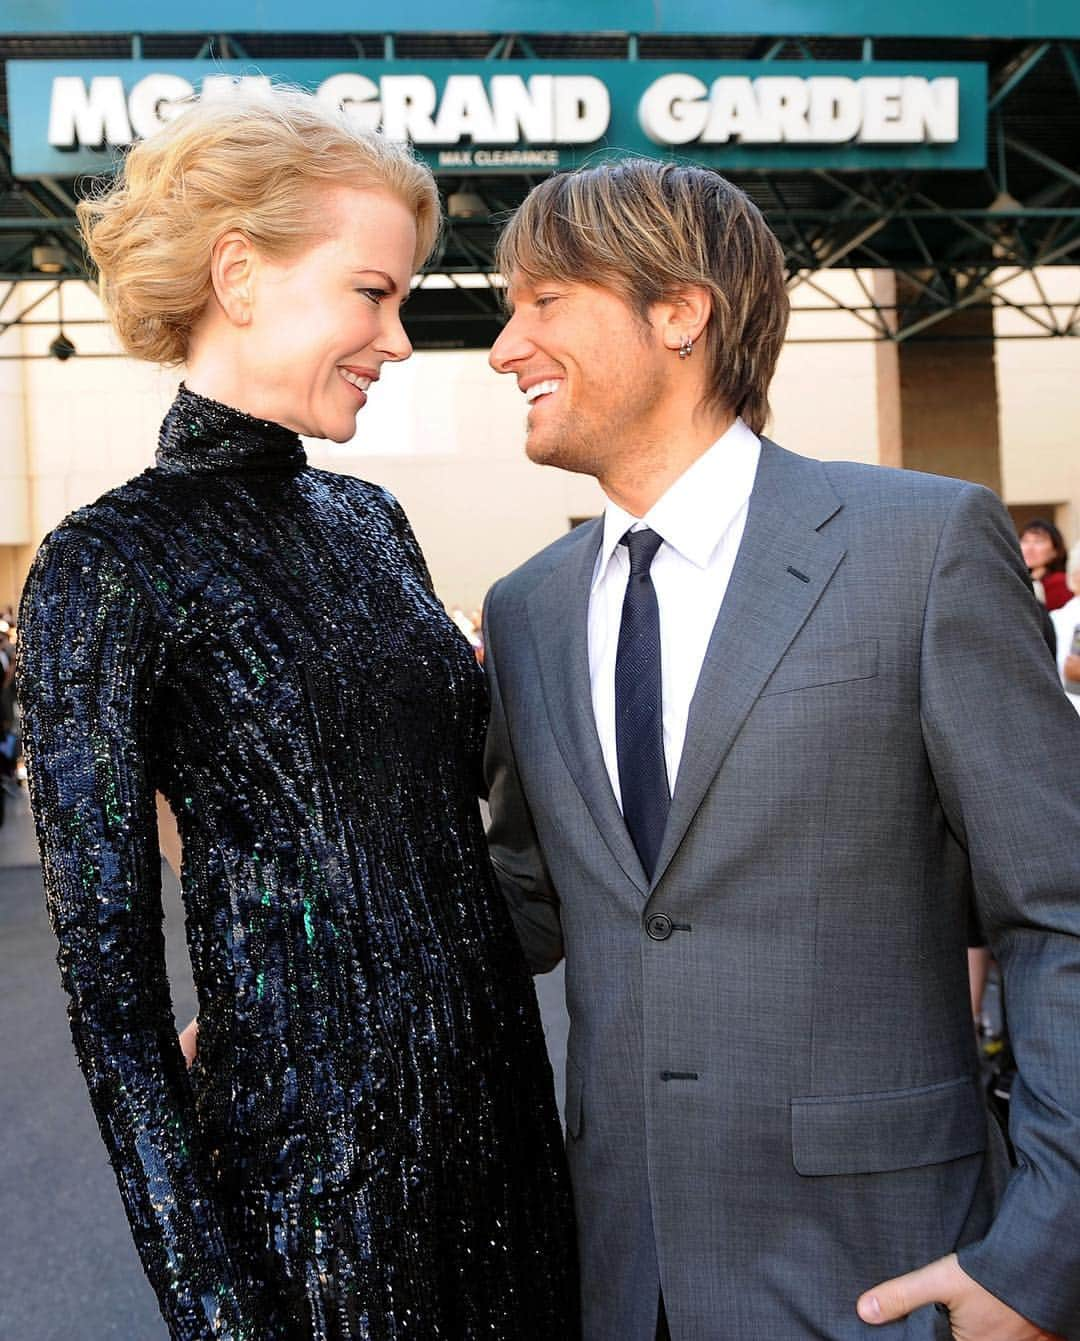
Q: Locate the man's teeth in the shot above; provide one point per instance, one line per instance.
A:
(360, 382)
(542, 389)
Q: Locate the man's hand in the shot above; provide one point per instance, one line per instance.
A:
(975, 1313)
(1072, 667)
(189, 1041)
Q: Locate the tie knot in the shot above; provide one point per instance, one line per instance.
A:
(642, 546)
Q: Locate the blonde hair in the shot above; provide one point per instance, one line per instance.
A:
(252, 161)
(646, 230)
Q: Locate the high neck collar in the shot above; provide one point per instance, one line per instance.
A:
(199, 434)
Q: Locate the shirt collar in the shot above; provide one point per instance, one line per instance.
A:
(696, 511)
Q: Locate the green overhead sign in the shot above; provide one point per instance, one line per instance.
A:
(502, 117)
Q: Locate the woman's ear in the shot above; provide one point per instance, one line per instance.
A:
(233, 264)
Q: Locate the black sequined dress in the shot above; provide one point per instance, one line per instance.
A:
(367, 1145)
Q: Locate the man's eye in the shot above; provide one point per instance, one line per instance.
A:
(546, 299)
(376, 295)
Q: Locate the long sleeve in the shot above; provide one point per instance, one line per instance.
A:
(87, 656)
(1002, 742)
(512, 842)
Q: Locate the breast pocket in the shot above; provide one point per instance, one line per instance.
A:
(806, 668)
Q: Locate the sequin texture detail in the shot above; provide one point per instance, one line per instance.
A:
(367, 1145)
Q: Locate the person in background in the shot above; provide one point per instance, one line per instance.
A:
(367, 1143)
(1043, 548)
(1067, 627)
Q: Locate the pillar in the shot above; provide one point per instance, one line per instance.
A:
(937, 393)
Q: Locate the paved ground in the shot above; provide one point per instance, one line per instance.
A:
(68, 1269)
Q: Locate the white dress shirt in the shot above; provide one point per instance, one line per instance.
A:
(701, 520)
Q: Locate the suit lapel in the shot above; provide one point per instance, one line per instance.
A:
(765, 606)
(558, 619)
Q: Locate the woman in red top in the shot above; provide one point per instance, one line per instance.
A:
(1044, 553)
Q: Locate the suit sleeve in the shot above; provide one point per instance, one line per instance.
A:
(1003, 743)
(515, 850)
(87, 650)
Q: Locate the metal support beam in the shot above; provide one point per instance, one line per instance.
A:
(1027, 62)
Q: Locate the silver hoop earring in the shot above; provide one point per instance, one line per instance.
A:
(686, 348)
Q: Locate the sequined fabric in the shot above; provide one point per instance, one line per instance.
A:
(367, 1145)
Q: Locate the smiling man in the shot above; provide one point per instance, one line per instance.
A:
(754, 751)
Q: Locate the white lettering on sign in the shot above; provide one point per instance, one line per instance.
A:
(507, 109)
(523, 109)
(905, 109)
(408, 105)
(155, 100)
(820, 109)
(94, 115)
(99, 114)
(356, 94)
(582, 109)
(544, 109)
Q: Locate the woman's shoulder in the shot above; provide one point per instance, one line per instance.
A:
(118, 529)
(1057, 590)
(117, 519)
(354, 488)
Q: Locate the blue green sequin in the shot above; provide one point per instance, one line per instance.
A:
(366, 1146)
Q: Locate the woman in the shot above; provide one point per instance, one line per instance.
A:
(367, 1145)
(1043, 548)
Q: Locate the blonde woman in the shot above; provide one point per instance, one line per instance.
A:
(366, 1145)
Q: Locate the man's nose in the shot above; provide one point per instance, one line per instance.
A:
(510, 347)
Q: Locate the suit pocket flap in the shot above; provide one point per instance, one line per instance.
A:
(896, 1129)
(827, 665)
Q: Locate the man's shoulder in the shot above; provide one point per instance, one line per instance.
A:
(863, 479)
(867, 492)
(518, 583)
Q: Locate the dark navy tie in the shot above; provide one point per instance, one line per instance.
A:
(639, 723)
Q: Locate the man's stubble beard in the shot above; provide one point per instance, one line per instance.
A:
(569, 445)
(585, 448)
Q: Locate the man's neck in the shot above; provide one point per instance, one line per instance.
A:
(648, 469)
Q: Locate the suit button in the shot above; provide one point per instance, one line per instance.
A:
(658, 926)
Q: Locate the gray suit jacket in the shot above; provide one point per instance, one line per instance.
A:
(772, 1100)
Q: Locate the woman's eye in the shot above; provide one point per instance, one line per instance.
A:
(546, 299)
(376, 295)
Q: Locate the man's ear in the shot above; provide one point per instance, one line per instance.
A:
(684, 316)
(233, 265)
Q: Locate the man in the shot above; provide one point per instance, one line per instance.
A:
(759, 736)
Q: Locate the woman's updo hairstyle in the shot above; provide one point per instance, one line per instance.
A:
(251, 161)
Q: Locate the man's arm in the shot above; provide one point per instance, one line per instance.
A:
(512, 842)
(1002, 742)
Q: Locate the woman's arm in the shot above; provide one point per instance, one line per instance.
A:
(87, 651)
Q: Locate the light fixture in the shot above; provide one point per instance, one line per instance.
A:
(1008, 207)
(61, 348)
(466, 205)
(48, 259)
